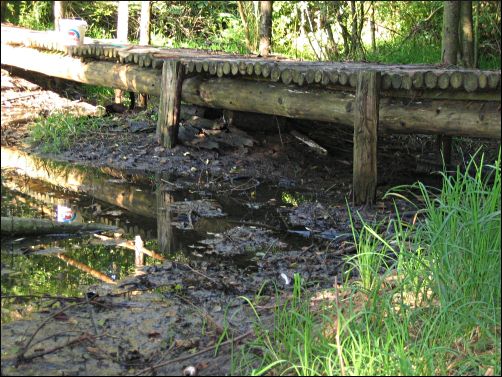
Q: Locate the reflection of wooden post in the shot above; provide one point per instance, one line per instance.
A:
(164, 228)
(170, 103)
(365, 137)
(139, 256)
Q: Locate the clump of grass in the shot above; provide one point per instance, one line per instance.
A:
(58, 131)
(435, 309)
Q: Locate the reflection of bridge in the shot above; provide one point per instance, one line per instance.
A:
(369, 97)
(90, 182)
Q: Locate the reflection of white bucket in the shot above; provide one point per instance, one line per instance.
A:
(73, 30)
(64, 214)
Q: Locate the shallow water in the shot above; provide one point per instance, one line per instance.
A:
(67, 265)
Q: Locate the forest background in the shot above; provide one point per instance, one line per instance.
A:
(377, 31)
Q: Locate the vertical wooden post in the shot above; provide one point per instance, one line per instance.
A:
(142, 100)
(170, 103)
(365, 137)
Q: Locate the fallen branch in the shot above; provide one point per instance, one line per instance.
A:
(57, 348)
(21, 355)
(311, 143)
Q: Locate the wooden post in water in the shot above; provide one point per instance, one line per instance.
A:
(365, 137)
(170, 103)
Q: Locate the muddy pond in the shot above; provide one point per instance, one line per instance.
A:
(119, 311)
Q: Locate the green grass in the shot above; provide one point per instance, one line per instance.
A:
(58, 131)
(435, 309)
(406, 53)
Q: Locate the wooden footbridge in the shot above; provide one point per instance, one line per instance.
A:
(370, 97)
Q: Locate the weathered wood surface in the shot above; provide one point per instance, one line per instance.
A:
(170, 103)
(458, 118)
(27, 226)
(365, 137)
(394, 77)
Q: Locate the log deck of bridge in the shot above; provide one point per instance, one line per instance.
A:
(368, 96)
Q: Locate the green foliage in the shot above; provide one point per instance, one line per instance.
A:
(293, 199)
(98, 94)
(47, 274)
(58, 131)
(435, 311)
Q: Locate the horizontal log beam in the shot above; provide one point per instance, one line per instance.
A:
(457, 118)
(28, 226)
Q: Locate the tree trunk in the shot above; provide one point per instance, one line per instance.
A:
(265, 27)
(144, 27)
(476, 35)
(450, 32)
(245, 24)
(122, 21)
(353, 37)
(3, 14)
(466, 34)
(449, 51)
(372, 27)
(58, 13)
(122, 31)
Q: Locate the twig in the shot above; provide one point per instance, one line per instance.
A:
(279, 129)
(57, 348)
(183, 358)
(21, 353)
(91, 314)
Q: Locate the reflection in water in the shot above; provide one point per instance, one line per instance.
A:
(83, 267)
(164, 228)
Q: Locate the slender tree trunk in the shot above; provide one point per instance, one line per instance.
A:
(265, 27)
(58, 13)
(4, 10)
(372, 27)
(449, 52)
(144, 25)
(122, 21)
(466, 34)
(449, 48)
(240, 7)
(122, 31)
(476, 35)
(353, 37)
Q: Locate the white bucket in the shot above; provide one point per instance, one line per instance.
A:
(73, 31)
